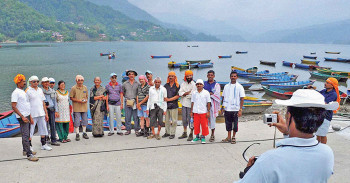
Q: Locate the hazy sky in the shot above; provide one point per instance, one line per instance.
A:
(250, 14)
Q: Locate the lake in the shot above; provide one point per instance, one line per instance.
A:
(63, 61)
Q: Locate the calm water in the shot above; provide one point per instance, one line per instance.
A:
(63, 61)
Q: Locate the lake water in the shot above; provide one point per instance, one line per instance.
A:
(63, 61)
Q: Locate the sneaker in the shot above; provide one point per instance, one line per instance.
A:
(77, 137)
(166, 135)
(85, 136)
(195, 140)
(172, 136)
(203, 140)
(110, 133)
(46, 147)
(184, 135)
(55, 144)
(190, 137)
(32, 158)
(25, 153)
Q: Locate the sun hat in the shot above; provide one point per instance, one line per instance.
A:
(113, 74)
(45, 79)
(52, 80)
(127, 72)
(307, 98)
(200, 81)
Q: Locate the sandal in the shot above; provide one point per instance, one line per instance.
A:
(63, 141)
(226, 140)
(233, 141)
(68, 140)
(212, 138)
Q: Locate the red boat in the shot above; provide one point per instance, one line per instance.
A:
(5, 114)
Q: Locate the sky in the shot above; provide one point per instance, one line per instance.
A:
(253, 16)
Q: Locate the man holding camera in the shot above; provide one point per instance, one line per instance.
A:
(299, 157)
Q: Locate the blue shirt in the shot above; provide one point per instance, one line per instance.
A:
(329, 97)
(293, 164)
(209, 87)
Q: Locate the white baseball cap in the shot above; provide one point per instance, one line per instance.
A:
(308, 98)
(33, 78)
(200, 81)
(52, 80)
(45, 79)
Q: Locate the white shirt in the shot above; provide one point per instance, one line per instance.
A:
(156, 96)
(232, 96)
(36, 99)
(293, 164)
(200, 101)
(185, 87)
(23, 105)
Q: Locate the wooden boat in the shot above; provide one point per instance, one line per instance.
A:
(313, 53)
(282, 77)
(292, 86)
(104, 54)
(326, 76)
(165, 56)
(111, 56)
(245, 85)
(336, 59)
(331, 52)
(310, 62)
(305, 66)
(327, 71)
(246, 74)
(225, 56)
(285, 63)
(237, 68)
(196, 46)
(206, 65)
(276, 93)
(267, 63)
(171, 64)
(252, 69)
(178, 65)
(276, 74)
(310, 57)
(195, 65)
(259, 77)
(5, 114)
(9, 126)
(241, 52)
(184, 66)
(198, 61)
(284, 80)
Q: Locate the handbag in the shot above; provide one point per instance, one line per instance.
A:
(130, 103)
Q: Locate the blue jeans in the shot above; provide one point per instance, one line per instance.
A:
(129, 112)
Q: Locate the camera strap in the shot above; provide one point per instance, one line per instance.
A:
(298, 146)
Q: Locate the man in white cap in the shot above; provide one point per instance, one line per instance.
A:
(79, 95)
(38, 111)
(299, 157)
(52, 82)
(200, 111)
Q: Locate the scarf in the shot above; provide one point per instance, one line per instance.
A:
(334, 83)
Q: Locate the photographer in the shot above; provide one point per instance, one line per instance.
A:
(299, 157)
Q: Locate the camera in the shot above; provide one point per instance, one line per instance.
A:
(270, 118)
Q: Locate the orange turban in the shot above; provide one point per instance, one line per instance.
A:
(19, 78)
(334, 82)
(172, 73)
(188, 72)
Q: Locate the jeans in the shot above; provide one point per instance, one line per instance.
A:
(130, 112)
(114, 112)
(52, 123)
(25, 131)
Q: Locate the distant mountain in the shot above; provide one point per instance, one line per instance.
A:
(134, 12)
(336, 32)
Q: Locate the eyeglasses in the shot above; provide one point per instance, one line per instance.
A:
(80, 80)
(35, 81)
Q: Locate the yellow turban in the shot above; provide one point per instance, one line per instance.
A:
(19, 78)
(172, 73)
(188, 72)
(334, 82)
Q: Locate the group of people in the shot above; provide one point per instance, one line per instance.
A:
(145, 102)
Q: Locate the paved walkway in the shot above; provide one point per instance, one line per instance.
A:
(137, 159)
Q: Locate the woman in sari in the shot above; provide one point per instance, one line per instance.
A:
(63, 119)
(97, 107)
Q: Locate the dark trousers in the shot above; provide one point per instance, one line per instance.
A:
(52, 124)
(130, 112)
(25, 130)
(231, 120)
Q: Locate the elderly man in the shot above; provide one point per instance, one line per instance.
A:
(52, 82)
(130, 89)
(114, 92)
(172, 87)
(214, 89)
(21, 107)
(79, 95)
(149, 76)
(156, 107)
(52, 109)
(186, 89)
(38, 111)
(299, 157)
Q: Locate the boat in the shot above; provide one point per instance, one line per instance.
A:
(274, 81)
(196, 46)
(165, 56)
(275, 74)
(267, 63)
(313, 53)
(198, 61)
(290, 64)
(184, 66)
(171, 64)
(111, 56)
(282, 77)
(242, 73)
(178, 65)
(237, 68)
(328, 71)
(124, 77)
(245, 85)
(305, 66)
(195, 65)
(331, 52)
(206, 65)
(276, 93)
(310, 57)
(252, 69)
(104, 54)
(225, 56)
(260, 77)
(5, 114)
(241, 52)
(336, 59)
(310, 62)
(292, 86)
(9, 126)
(326, 76)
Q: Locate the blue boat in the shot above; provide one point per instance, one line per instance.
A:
(111, 56)
(9, 126)
(195, 65)
(282, 77)
(241, 52)
(275, 74)
(284, 80)
(178, 65)
(336, 59)
(166, 56)
(310, 57)
(289, 64)
(242, 73)
(207, 65)
(292, 86)
(245, 85)
(305, 66)
(225, 56)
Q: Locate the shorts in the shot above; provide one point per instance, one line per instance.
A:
(142, 112)
(231, 117)
(80, 118)
(156, 116)
(323, 129)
